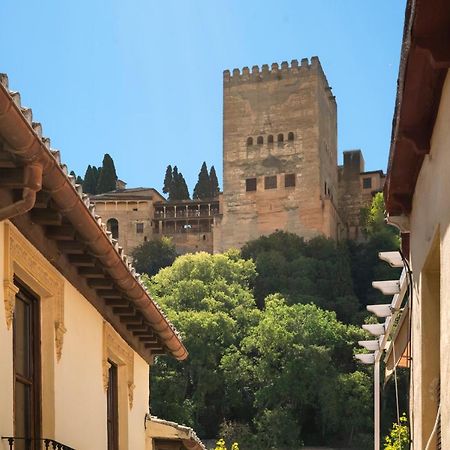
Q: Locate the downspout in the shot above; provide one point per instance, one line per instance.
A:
(32, 184)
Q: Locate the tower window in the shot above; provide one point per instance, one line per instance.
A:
(367, 183)
(289, 180)
(270, 139)
(260, 140)
(249, 141)
(270, 182)
(139, 227)
(290, 136)
(250, 184)
(280, 137)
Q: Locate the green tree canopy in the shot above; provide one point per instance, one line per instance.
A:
(168, 180)
(203, 187)
(107, 177)
(90, 181)
(317, 271)
(178, 188)
(153, 255)
(297, 363)
(209, 299)
(214, 183)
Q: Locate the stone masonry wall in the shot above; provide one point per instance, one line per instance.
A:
(295, 103)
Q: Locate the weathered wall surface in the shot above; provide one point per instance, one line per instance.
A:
(258, 107)
(430, 254)
(129, 214)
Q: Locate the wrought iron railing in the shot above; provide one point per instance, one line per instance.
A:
(46, 444)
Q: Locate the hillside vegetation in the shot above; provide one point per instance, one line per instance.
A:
(271, 332)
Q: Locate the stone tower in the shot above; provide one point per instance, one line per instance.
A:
(279, 154)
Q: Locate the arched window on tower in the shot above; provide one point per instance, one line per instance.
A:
(270, 139)
(112, 225)
(249, 141)
(280, 137)
(260, 140)
(290, 136)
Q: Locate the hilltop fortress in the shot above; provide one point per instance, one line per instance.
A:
(280, 170)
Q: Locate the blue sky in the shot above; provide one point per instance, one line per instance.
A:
(142, 80)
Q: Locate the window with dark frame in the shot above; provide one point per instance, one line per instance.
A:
(289, 180)
(112, 401)
(290, 136)
(270, 182)
(280, 137)
(250, 184)
(27, 370)
(249, 141)
(270, 139)
(139, 227)
(367, 183)
(260, 140)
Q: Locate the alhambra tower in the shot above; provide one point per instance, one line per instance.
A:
(279, 154)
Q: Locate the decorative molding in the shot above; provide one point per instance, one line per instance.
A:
(25, 261)
(118, 351)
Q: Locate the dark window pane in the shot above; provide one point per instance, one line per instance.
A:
(250, 184)
(139, 228)
(22, 410)
(270, 182)
(22, 351)
(112, 408)
(290, 136)
(367, 183)
(289, 180)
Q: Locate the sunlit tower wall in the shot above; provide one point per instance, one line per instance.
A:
(279, 154)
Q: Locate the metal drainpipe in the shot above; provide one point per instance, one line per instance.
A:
(32, 184)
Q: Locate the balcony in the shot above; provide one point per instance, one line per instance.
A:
(22, 443)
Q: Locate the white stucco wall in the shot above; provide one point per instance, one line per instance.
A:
(79, 394)
(6, 367)
(430, 217)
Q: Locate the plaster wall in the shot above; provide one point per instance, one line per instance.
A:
(74, 396)
(6, 365)
(276, 102)
(429, 223)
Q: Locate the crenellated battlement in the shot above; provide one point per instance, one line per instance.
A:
(274, 72)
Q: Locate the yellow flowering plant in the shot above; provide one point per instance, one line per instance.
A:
(398, 438)
(221, 445)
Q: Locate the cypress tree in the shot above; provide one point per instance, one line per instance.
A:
(174, 191)
(203, 187)
(184, 191)
(107, 177)
(89, 183)
(214, 183)
(79, 180)
(168, 179)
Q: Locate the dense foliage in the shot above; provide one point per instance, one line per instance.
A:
(271, 334)
(280, 375)
(207, 185)
(98, 180)
(107, 177)
(175, 185)
(151, 256)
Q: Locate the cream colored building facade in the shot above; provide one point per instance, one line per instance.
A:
(417, 200)
(78, 330)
